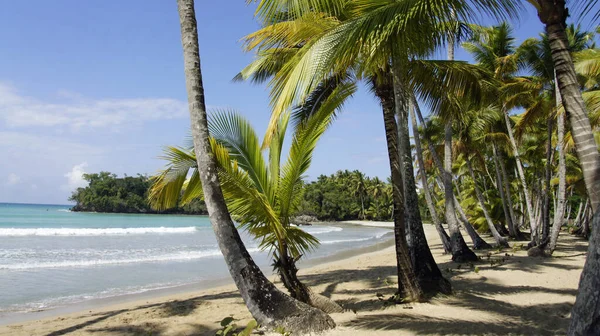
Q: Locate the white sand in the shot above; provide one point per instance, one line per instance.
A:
(513, 295)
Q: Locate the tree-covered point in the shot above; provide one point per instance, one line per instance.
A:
(348, 195)
(106, 192)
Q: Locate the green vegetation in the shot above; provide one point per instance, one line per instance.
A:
(229, 328)
(500, 171)
(344, 195)
(129, 194)
(261, 195)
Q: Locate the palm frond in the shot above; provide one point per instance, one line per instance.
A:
(234, 132)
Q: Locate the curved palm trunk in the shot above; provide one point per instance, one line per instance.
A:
(500, 226)
(512, 229)
(553, 13)
(559, 211)
(543, 240)
(513, 225)
(288, 273)
(269, 306)
(460, 250)
(434, 216)
(430, 278)
(513, 143)
(577, 220)
(408, 286)
(585, 316)
(501, 241)
(478, 242)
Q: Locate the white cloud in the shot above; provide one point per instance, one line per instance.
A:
(13, 179)
(76, 112)
(75, 177)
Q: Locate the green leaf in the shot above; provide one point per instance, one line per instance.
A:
(226, 321)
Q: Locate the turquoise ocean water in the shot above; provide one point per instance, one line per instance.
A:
(51, 257)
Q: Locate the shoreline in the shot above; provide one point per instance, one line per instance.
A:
(506, 292)
(179, 290)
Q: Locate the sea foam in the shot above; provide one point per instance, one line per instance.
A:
(178, 256)
(321, 229)
(15, 232)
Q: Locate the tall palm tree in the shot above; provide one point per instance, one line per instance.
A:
(494, 49)
(451, 205)
(389, 28)
(478, 242)
(553, 14)
(472, 125)
(407, 285)
(538, 56)
(261, 196)
(268, 305)
(425, 184)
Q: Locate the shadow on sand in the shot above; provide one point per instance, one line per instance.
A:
(378, 282)
(160, 310)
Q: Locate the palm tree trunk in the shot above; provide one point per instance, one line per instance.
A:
(585, 316)
(434, 216)
(559, 210)
(460, 250)
(430, 278)
(513, 230)
(577, 221)
(500, 226)
(513, 143)
(499, 163)
(269, 306)
(501, 241)
(288, 273)
(553, 13)
(478, 242)
(543, 240)
(408, 286)
(585, 232)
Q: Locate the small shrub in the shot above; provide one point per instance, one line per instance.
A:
(228, 328)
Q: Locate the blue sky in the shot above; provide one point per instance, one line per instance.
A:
(87, 86)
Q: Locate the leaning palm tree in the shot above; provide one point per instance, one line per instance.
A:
(553, 14)
(268, 305)
(471, 126)
(261, 196)
(538, 57)
(494, 49)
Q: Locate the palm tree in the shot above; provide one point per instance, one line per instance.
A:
(425, 185)
(268, 305)
(553, 14)
(538, 56)
(493, 48)
(472, 125)
(359, 189)
(478, 242)
(262, 196)
(381, 26)
(407, 285)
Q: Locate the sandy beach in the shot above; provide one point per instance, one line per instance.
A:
(505, 293)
